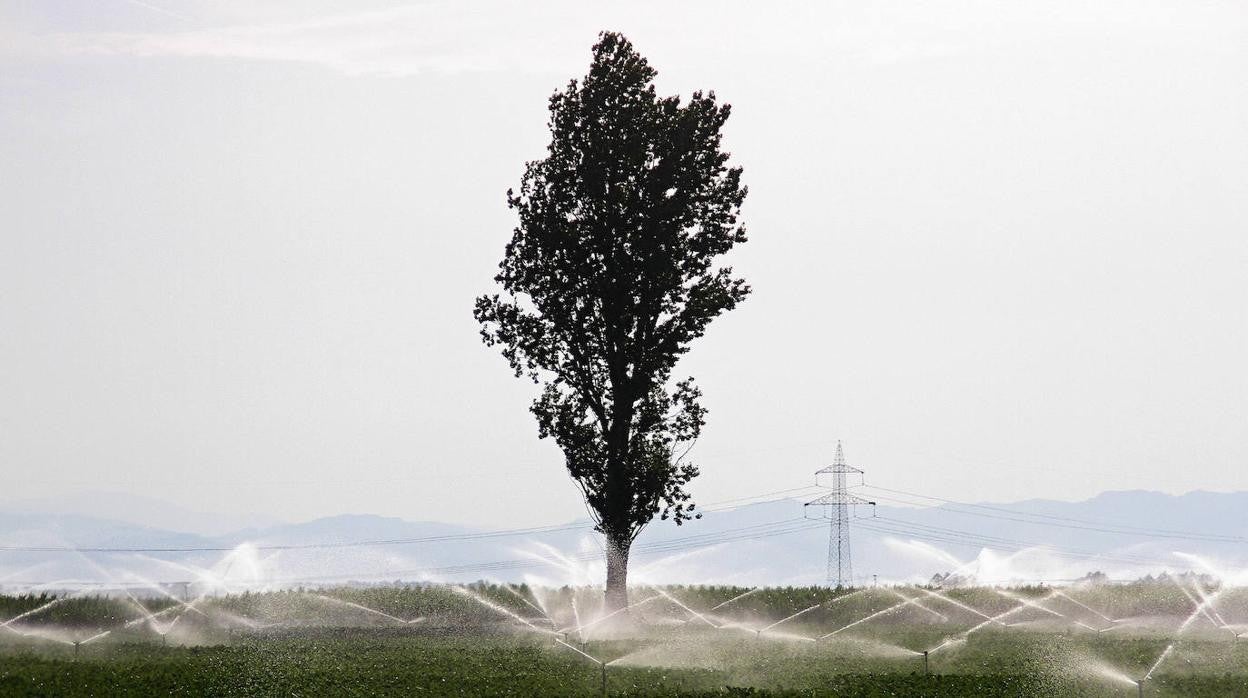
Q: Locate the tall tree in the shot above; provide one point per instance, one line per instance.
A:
(610, 274)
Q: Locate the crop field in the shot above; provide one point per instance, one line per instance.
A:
(1177, 637)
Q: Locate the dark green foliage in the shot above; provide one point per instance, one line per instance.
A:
(321, 645)
(379, 664)
(96, 611)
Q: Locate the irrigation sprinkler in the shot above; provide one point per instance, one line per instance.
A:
(926, 669)
(1140, 685)
(77, 646)
(591, 658)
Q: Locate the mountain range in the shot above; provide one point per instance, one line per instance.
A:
(1123, 534)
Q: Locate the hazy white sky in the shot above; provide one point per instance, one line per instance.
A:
(997, 246)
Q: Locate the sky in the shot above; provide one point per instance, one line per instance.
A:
(997, 247)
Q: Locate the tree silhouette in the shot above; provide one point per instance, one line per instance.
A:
(609, 276)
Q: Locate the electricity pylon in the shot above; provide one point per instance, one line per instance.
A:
(840, 557)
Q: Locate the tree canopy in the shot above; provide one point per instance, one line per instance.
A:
(610, 274)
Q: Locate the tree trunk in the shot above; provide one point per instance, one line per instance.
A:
(617, 574)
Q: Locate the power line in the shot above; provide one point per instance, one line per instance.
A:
(1061, 521)
(304, 546)
(450, 537)
(718, 505)
(758, 531)
(883, 525)
(956, 537)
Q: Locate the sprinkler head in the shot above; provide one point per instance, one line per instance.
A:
(1140, 684)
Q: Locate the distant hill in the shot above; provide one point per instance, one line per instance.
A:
(1123, 534)
(137, 509)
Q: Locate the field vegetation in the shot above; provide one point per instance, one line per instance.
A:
(488, 639)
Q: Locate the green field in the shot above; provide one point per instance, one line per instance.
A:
(438, 641)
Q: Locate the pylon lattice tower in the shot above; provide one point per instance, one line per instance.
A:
(840, 501)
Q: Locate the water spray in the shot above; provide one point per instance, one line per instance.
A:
(988, 619)
(917, 604)
(97, 636)
(33, 611)
(1200, 605)
(1034, 604)
(576, 616)
(789, 618)
(505, 611)
(734, 599)
(362, 607)
(890, 609)
(602, 665)
(676, 601)
(618, 611)
(532, 605)
(1083, 605)
(1165, 653)
(948, 599)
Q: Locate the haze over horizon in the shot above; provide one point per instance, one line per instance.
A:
(150, 512)
(241, 243)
